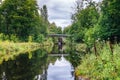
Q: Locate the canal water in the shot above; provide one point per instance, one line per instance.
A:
(40, 66)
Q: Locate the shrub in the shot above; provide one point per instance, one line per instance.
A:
(11, 37)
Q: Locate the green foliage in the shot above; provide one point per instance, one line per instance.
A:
(4, 37)
(110, 21)
(39, 38)
(59, 30)
(83, 19)
(96, 20)
(52, 29)
(67, 30)
(81, 48)
(92, 34)
(30, 39)
(44, 12)
(21, 18)
(9, 50)
(105, 66)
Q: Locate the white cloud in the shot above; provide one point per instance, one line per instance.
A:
(59, 11)
(61, 22)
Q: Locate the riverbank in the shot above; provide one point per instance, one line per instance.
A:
(9, 50)
(104, 65)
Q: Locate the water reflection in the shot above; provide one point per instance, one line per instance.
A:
(23, 68)
(60, 70)
(39, 67)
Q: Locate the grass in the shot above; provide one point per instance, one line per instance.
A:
(104, 66)
(9, 50)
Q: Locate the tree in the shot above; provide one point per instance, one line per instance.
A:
(67, 30)
(110, 19)
(44, 12)
(52, 29)
(19, 17)
(59, 30)
(83, 19)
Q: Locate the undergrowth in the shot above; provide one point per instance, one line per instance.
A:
(103, 66)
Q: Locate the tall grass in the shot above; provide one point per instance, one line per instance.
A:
(103, 66)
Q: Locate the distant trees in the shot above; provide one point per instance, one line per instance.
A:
(44, 12)
(52, 29)
(95, 20)
(83, 19)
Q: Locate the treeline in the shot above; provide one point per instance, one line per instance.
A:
(93, 21)
(24, 18)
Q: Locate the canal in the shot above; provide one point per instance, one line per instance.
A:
(38, 65)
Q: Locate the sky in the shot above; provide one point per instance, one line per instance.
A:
(59, 11)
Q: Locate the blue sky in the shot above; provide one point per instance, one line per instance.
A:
(59, 11)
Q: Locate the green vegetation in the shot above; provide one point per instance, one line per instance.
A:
(8, 50)
(103, 66)
(83, 20)
(24, 68)
(19, 18)
(96, 21)
(23, 28)
(24, 19)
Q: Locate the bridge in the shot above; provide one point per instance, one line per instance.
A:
(60, 41)
(59, 35)
(54, 55)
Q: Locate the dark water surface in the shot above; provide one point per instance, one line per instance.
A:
(40, 66)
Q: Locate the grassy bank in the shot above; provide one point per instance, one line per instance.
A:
(9, 50)
(103, 66)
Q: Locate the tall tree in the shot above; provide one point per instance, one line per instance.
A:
(44, 12)
(19, 17)
(110, 19)
(86, 16)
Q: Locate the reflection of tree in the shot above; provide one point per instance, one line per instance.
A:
(52, 59)
(24, 68)
(55, 49)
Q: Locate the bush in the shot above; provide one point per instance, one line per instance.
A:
(39, 38)
(92, 34)
(11, 37)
